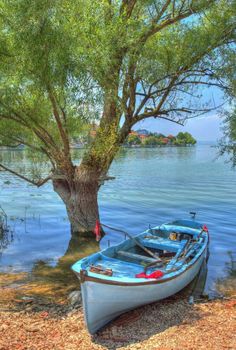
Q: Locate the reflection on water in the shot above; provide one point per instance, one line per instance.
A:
(59, 280)
(197, 287)
(6, 238)
(47, 282)
(152, 186)
(227, 285)
(6, 235)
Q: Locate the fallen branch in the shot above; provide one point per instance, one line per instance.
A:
(107, 178)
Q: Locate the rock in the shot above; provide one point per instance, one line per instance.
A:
(28, 307)
(75, 297)
(32, 329)
(27, 300)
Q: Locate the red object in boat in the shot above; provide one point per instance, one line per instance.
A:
(97, 231)
(205, 228)
(141, 275)
(155, 274)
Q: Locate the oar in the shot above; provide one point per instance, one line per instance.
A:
(135, 240)
(186, 248)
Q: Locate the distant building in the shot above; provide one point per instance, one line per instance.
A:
(165, 140)
(132, 132)
(142, 137)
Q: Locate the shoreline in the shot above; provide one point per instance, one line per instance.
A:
(166, 325)
(121, 147)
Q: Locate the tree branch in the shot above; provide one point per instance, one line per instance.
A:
(127, 7)
(160, 115)
(155, 28)
(182, 82)
(161, 13)
(172, 83)
(39, 131)
(20, 141)
(23, 142)
(38, 183)
(61, 129)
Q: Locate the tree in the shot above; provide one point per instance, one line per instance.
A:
(228, 142)
(133, 140)
(152, 141)
(184, 138)
(67, 63)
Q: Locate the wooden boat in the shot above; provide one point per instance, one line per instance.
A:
(149, 267)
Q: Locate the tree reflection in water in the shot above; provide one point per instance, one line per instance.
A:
(6, 235)
(58, 281)
(226, 286)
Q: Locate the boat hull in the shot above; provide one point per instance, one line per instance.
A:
(104, 300)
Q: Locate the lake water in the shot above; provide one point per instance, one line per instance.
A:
(152, 186)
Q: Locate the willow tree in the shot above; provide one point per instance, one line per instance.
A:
(227, 144)
(116, 62)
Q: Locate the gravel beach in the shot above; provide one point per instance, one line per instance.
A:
(28, 323)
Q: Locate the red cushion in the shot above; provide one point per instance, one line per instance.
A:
(155, 274)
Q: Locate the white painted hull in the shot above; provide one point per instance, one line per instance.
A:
(103, 302)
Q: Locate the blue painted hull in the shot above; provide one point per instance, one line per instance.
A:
(106, 297)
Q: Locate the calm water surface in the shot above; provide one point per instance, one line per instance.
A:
(152, 186)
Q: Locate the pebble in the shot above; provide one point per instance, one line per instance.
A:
(191, 300)
(75, 297)
(3, 327)
(32, 329)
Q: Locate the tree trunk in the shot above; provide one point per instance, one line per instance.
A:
(80, 198)
(78, 186)
(82, 208)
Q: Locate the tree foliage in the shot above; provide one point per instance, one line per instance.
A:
(66, 53)
(184, 139)
(133, 140)
(116, 62)
(228, 142)
(153, 141)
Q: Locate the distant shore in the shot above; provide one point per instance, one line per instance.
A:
(157, 146)
(123, 146)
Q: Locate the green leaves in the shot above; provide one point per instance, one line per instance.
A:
(135, 55)
(184, 138)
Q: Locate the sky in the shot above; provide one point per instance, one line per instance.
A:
(204, 128)
(207, 127)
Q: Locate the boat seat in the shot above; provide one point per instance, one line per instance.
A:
(194, 232)
(164, 244)
(137, 256)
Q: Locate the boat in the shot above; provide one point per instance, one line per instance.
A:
(142, 269)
